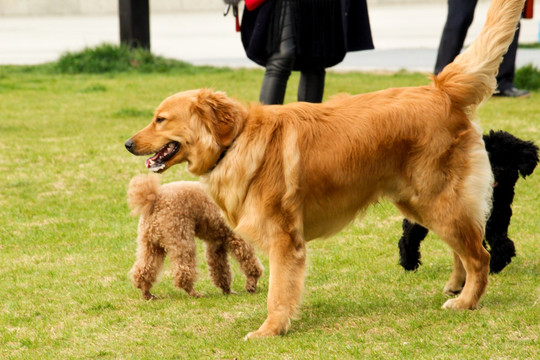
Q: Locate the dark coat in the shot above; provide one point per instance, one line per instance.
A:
(322, 37)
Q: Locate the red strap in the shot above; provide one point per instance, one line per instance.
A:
(528, 12)
(253, 4)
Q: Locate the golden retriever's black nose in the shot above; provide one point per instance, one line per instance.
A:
(129, 145)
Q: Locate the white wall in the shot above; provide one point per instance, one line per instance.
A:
(95, 7)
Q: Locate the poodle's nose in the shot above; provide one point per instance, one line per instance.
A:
(129, 145)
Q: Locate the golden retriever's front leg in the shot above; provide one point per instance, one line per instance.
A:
(287, 256)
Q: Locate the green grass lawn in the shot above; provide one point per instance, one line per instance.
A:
(67, 243)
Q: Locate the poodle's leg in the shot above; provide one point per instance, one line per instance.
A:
(249, 263)
(146, 269)
(466, 241)
(183, 258)
(502, 248)
(287, 256)
(218, 265)
(409, 244)
(510, 157)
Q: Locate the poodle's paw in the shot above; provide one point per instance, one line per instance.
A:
(251, 286)
(147, 295)
(194, 294)
(502, 251)
(496, 266)
(226, 290)
(410, 265)
(457, 304)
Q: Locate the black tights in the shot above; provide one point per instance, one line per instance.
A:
(280, 65)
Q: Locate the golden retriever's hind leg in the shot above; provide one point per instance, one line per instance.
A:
(287, 257)
(475, 260)
(457, 278)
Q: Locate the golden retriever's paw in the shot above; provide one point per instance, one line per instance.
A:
(268, 331)
(260, 334)
(457, 304)
(452, 291)
(453, 288)
(252, 335)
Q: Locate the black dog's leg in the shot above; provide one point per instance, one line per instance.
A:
(501, 247)
(510, 157)
(409, 245)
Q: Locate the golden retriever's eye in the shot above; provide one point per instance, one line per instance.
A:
(160, 119)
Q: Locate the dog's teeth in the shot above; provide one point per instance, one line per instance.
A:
(155, 168)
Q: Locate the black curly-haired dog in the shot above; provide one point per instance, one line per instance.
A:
(509, 157)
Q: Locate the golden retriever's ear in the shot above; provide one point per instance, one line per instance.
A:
(220, 114)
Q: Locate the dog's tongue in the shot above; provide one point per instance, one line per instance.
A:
(151, 161)
(153, 165)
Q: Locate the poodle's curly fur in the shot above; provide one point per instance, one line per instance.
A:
(510, 157)
(171, 216)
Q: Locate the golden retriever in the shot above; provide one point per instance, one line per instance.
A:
(284, 175)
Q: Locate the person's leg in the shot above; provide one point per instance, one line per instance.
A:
(280, 64)
(505, 77)
(459, 18)
(507, 70)
(311, 86)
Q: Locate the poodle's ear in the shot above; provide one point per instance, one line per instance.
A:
(509, 152)
(528, 158)
(221, 115)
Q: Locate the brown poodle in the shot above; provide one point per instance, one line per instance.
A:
(171, 216)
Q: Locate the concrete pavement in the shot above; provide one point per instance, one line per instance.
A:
(406, 36)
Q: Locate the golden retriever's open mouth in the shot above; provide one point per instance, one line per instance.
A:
(157, 162)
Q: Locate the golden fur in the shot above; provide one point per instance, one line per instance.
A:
(284, 175)
(170, 217)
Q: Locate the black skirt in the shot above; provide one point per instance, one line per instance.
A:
(322, 31)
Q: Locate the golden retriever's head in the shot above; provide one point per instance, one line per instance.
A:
(194, 126)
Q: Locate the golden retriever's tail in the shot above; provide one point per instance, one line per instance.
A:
(470, 78)
(142, 194)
